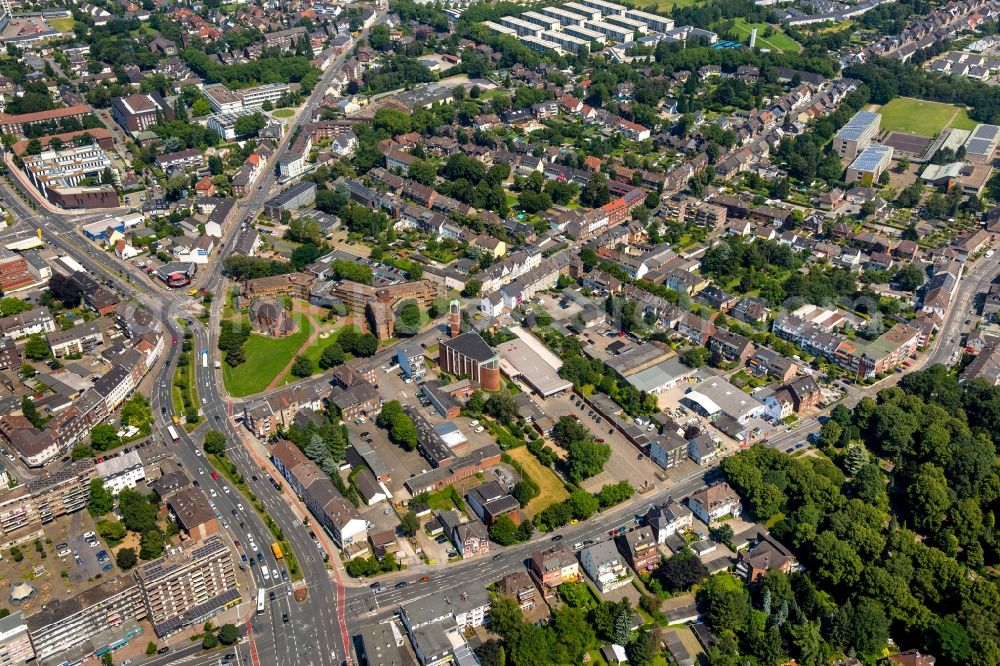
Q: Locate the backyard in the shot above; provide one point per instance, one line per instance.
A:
(917, 116)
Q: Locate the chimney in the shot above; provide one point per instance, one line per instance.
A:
(456, 318)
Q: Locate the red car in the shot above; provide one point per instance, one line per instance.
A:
(173, 340)
(215, 475)
(600, 440)
(236, 542)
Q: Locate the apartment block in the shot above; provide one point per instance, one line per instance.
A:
(855, 136)
(75, 628)
(15, 643)
(187, 587)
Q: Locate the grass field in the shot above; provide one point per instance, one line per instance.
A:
(918, 116)
(314, 351)
(779, 41)
(283, 113)
(63, 24)
(552, 489)
(266, 357)
(664, 5)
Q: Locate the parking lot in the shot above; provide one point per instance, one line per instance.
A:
(624, 463)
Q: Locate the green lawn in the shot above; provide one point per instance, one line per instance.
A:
(779, 41)
(918, 116)
(64, 24)
(266, 357)
(316, 350)
(551, 488)
(283, 113)
(665, 5)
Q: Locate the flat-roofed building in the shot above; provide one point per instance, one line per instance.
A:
(654, 22)
(520, 26)
(564, 40)
(519, 361)
(15, 643)
(137, 113)
(563, 16)
(188, 586)
(591, 13)
(222, 99)
(613, 32)
(63, 627)
(502, 29)
(540, 44)
(982, 143)
(855, 136)
(870, 164)
(637, 27)
(583, 33)
(606, 8)
(254, 98)
(547, 22)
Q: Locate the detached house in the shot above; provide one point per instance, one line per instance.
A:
(715, 502)
(604, 565)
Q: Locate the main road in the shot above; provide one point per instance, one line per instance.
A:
(313, 632)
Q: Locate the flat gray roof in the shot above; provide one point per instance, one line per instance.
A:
(532, 367)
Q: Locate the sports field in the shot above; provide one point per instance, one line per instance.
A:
(779, 41)
(918, 116)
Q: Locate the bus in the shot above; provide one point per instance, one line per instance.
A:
(276, 549)
(204, 358)
(260, 600)
(173, 433)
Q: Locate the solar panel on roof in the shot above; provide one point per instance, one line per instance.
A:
(986, 131)
(977, 146)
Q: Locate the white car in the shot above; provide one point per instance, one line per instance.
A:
(89, 535)
(225, 489)
(253, 546)
(201, 471)
(212, 492)
(197, 452)
(479, 429)
(239, 506)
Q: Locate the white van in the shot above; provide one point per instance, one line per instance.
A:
(264, 572)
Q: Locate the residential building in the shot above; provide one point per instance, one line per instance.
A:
(768, 362)
(15, 643)
(297, 196)
(639, 548)
(122, 471)
(766, 555)
(188, 586)
(605, 566)
(730, 346)
(715, 502)
(28, 323)
(554, 566)
(77, 340)
(519, 586)
(856, 135)
(334, 513)
(669, 519)
(471, 538)
(70, 629)
(869, 165)
(464, 606)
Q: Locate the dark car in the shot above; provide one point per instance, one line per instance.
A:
(557, 537)
(284, 618)
(163, 650)
(401, 584)
(260, 557)
(270, 595)
(497, 557)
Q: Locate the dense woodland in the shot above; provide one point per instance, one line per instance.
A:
(894, 524)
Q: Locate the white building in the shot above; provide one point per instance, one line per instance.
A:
(715, 502)
(604, 564)
(123, 471)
